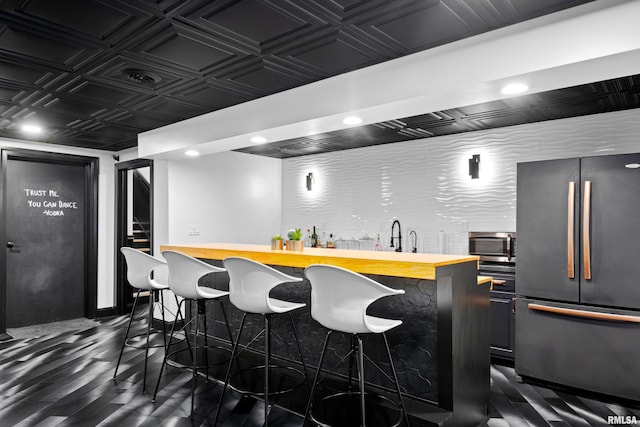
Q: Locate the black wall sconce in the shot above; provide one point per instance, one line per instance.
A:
(474, 166)
(310, 181)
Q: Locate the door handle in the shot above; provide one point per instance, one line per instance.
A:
(570, 230)
(10, 245)
(587, 314)
(586, 237)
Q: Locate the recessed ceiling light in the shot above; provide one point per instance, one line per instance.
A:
(191, 153)
(514, 88)
(258, 139)
(352, 120)
(33, 129)
(632, 165)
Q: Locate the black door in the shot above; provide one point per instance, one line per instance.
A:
(612, 244)
(49, 230)
(547, 233)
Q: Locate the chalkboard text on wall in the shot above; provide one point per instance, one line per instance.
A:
(49, 201)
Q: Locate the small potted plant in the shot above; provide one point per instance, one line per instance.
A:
(276, 242)
(294, 243)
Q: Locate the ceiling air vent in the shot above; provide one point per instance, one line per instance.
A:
(142, 77)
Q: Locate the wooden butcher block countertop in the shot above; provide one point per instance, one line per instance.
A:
(401, 264)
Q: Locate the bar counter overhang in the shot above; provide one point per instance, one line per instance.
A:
(441, 351)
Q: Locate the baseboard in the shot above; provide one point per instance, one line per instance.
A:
(106, 312)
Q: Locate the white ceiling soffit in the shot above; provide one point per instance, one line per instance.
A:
(583, 44)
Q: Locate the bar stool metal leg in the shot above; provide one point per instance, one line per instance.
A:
(267, 356)
(194, 358)
(352, 358)
(295, 335)
(360, 361)
(395, 379)
(315, 380)
(126, 334)
(146, 347)
(228, 374)
(166, 353)
(164, 323)
(226, 321)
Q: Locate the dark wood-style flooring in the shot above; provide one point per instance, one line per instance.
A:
(66, 379)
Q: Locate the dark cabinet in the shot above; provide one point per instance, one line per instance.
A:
(502, 314)
(502, 325)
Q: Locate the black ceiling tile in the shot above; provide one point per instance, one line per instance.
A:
(349, 4)
(527, 8)
(428, 26)
(210, 95)
(429, 121)
(27, 46)
(21, 74)
(332, 56)
(365, 12)
(7, 94)
(476, 14)
(167, 109)
(87, 16)
(265, 79)
(137, 121)
(71, 108)
(485, 12)
(102, 94)
(257, 21)
(576, 109)
(484, 107)
(183, 51)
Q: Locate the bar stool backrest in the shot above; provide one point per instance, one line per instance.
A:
(139, 269)
(340, 297)
(185, 272)
(250, 283)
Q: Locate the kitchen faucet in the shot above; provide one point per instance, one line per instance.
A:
(414, 241)
(399, 248)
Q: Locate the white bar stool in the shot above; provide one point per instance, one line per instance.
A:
(184, 274)
(140, 267)
(249, 285)
(339, 301)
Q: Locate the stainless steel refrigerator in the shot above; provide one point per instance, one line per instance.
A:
(578, 273)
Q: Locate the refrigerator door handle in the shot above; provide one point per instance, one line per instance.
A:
(585, 313)
(570, 230)
(586, 238)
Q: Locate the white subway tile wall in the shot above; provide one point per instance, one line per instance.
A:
(424, 184)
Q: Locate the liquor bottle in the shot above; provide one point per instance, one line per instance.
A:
(314, 238)
(307, 239)
(331, 242)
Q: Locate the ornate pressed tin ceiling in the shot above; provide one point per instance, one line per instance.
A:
(600, 97)
(96, 73)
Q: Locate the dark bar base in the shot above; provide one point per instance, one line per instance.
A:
(441, 351)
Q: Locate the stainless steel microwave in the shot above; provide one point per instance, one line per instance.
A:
(493, 246)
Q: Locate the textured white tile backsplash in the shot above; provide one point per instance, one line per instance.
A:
(425, 183)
